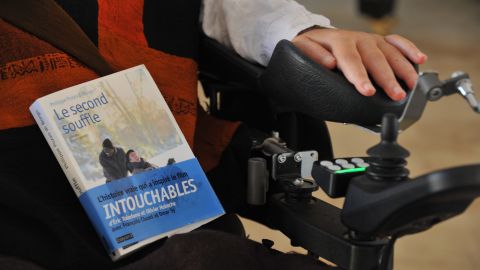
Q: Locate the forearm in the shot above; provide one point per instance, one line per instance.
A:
(254, 27)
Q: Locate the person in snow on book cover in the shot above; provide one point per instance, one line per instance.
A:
(137, 164)
(113, 161)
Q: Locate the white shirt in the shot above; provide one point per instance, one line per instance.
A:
(253, 27)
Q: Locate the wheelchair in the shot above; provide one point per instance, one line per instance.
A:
(288, 101)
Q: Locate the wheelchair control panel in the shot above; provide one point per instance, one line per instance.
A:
(382, 203)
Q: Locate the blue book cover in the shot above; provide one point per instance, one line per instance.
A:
(127, 160)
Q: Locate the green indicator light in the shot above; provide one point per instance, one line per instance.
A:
(351, 170)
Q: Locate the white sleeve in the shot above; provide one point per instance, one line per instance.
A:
(254, 27)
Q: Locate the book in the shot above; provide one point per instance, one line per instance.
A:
(126, 159)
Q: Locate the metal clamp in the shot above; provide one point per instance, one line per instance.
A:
(430, 88)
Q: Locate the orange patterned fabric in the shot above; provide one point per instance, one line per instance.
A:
(34, 70)
(122, 19)
(31, 68)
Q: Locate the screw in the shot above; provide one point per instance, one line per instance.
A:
(282, 158)
(435, 94)
(298, 182)
(297, 157)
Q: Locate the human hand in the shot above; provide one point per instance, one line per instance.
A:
(358, 54)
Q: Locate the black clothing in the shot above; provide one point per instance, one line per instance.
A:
(45, 224)
(114, 167)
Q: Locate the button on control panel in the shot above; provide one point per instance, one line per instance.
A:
(333, 176)
(342, 165)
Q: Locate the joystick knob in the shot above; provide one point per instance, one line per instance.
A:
(388, 157)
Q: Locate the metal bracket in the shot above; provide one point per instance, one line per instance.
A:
(298, 163)
(430, 88)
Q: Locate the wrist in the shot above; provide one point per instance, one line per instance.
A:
(315, 27)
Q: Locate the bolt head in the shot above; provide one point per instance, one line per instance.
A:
(435, 94)
(298, 182)
(281, 158)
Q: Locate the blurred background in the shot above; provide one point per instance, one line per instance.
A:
(447, 135)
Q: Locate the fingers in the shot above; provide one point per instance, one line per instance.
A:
(400, 65)
(407, 48)
(350, 63)
(344, 56)
(316, 52)
(359, 54)
(379, 68)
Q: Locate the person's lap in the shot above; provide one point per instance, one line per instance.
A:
(43, 224)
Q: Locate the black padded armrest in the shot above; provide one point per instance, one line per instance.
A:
(297, 83)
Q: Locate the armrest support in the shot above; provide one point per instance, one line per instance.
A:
(222, 63)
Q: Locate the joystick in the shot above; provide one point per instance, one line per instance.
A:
(387, 159)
